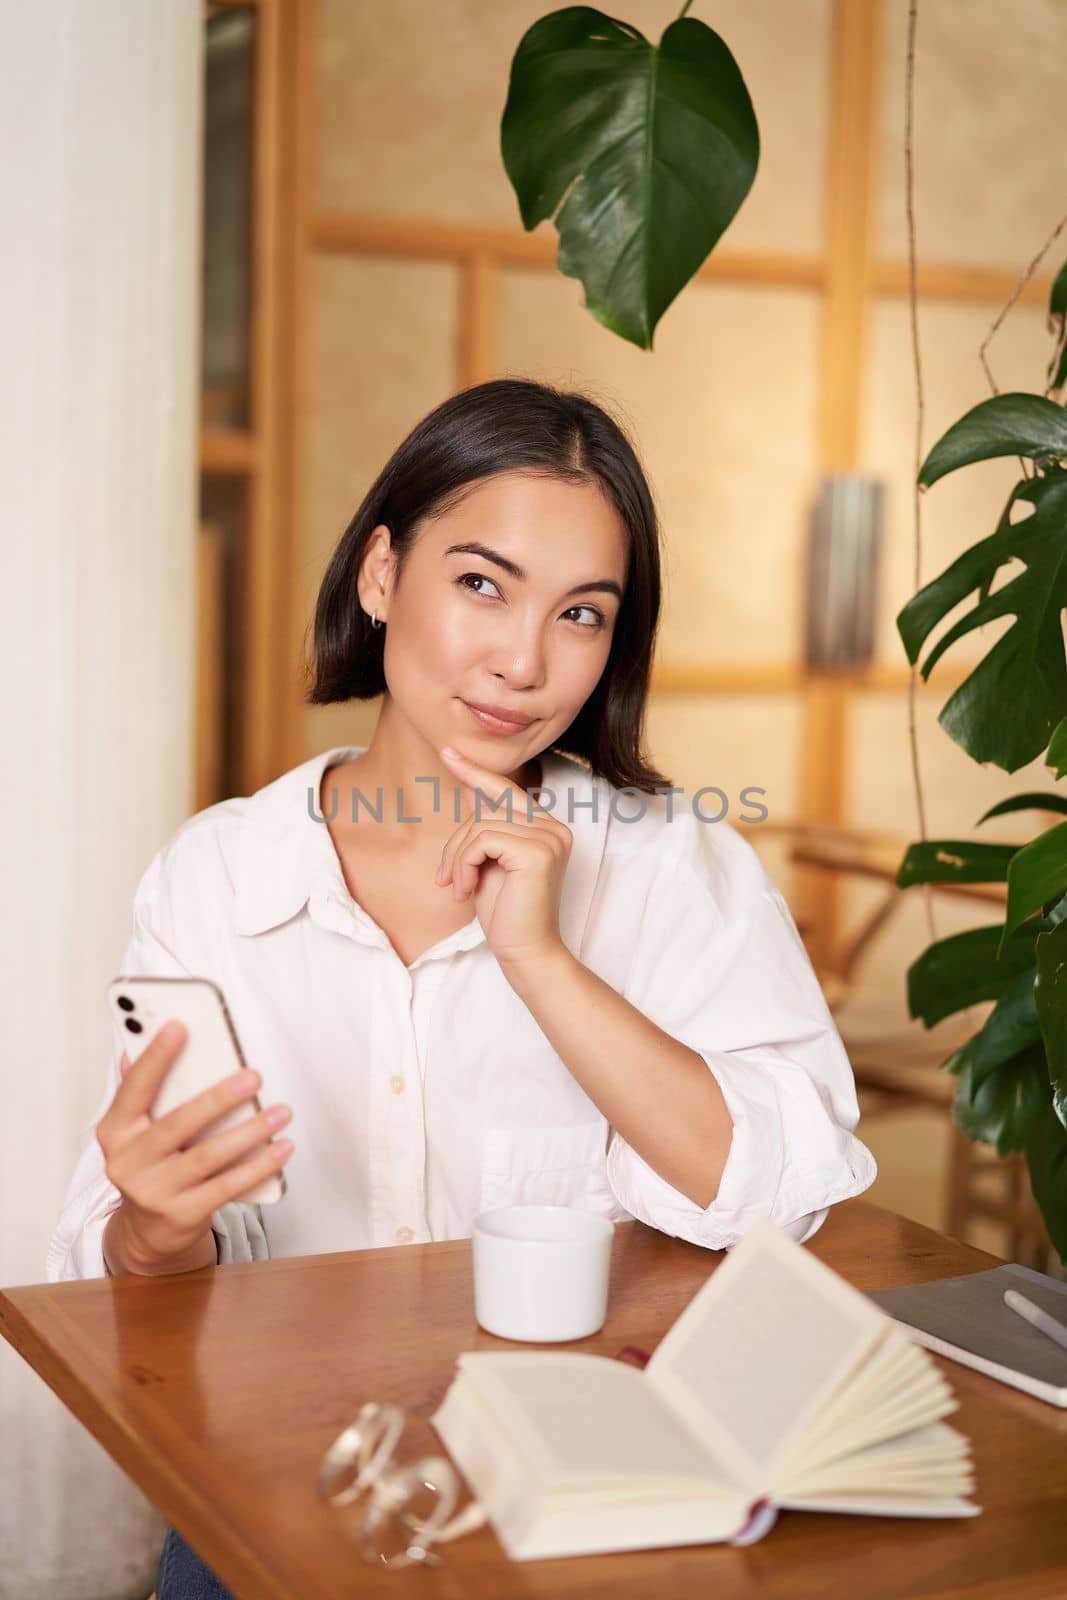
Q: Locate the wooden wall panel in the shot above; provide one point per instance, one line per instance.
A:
(423, 87)
(731, 485)
(991, 162)
(734, 742)
(383, 354)
(878, 782)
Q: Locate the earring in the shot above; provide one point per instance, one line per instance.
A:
(374, 621)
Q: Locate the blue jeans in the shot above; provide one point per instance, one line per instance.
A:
(183, 1576)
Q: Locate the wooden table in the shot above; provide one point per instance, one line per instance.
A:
(218, 1391)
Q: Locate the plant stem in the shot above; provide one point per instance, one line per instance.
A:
(683, 11)
(920, 412)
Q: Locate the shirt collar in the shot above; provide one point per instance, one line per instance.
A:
(277, 860)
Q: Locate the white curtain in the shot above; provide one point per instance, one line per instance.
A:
(100, 128)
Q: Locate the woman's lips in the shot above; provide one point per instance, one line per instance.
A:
(495, 724)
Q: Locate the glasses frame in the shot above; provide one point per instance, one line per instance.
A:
(366, 1448)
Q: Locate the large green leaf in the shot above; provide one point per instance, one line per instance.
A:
(1011, 1110)
(1037, 875)
(1003, 1095)
(954, 861)
(643, 154)
(1046, 1156)
(1057, 309)
(999, 1111)
(1007, 425)
(1050, 998)
(1040, 801)
(1006, 709)
(1056, 757)
(1010, 1028)
(965, 969)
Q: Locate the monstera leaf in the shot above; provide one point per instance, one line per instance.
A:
(1056, 757)
(1037, 875)
(966, 968)
(1050, 997)
(1011, 1027)
(642, 153)
(1056, 754)
(1040, 801)
(1046, 1158)
(1000, 1111)
(1011, 1110)
(1007, 425)
(1006, 710)
(954, 861)
(1057, 309)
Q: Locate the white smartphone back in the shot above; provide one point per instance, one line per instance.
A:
(140, 1007)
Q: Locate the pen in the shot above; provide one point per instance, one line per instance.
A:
(1036, 1317)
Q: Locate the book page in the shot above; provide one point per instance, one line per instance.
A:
(767, 1339)
(931, 1460)
(896, 1388)
(583, 1417)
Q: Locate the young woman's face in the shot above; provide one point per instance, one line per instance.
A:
(523, 623)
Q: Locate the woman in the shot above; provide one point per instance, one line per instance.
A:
(474, 970)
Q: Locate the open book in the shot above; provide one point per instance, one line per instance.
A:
(779, 1386)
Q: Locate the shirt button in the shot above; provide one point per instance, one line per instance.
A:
(404, 1234)
(397, 1085)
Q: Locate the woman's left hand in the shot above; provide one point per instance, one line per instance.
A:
(514, 869)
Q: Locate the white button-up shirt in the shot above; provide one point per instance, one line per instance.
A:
(423, 1095)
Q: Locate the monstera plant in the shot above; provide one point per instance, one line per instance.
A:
(641, 153)
(1012, 1075)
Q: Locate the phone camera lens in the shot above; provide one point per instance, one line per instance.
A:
(125, 1003)
(133, 1026)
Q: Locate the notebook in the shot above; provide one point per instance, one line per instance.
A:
(779, 1386)
(966, 1320)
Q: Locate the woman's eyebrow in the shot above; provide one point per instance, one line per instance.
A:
(483, 550)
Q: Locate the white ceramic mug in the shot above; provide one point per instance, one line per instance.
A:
(541, 1272)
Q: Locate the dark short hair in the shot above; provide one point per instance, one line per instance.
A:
(507, 425)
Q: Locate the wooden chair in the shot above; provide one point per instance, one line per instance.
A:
(899, 1067)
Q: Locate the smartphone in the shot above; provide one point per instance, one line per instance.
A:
(211, 1052)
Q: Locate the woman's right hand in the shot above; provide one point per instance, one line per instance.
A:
(170, 1191)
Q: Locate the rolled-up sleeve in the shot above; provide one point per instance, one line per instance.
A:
(75, 1249)
(719, 965)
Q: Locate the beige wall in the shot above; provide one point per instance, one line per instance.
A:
(725, 411)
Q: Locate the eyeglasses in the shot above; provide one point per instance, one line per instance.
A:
(360, 1459)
